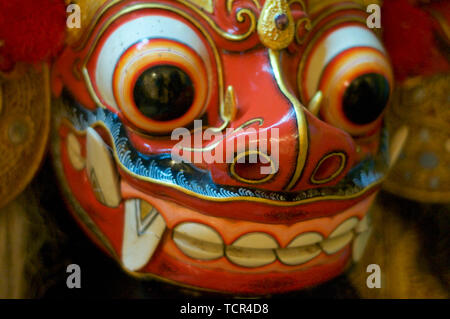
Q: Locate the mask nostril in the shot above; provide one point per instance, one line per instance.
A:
(328, 168)
(250, 168)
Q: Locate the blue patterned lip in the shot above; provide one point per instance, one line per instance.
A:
(185, 176)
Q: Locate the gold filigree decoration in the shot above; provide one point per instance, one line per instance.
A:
(276, 27)
(207, 5)
(230, 5)
(304, 21)
(228, 108)
(241, 15)
(315, 103)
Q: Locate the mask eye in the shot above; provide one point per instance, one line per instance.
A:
(160, 85)
(349, 65)
(154, 69)
(365, 98)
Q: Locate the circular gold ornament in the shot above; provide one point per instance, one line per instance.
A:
(24, 129)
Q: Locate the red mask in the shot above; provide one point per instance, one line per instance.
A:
(305, 85)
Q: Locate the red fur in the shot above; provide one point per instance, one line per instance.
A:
(409, 36)
(31, 30)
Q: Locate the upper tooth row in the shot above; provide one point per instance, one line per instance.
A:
(257, 249)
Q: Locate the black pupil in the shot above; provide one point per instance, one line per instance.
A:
(365, 98)
(164, 93)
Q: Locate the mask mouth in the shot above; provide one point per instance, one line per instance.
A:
(191, 180)
(146, 227)
(156, 231)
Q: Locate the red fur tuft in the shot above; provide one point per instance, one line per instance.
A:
(31, 31)
(409, 37)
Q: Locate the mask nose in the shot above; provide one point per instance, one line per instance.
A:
(274, 143)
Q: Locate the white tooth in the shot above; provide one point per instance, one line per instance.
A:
(200, 232)
(333, 245)
(359, 244)
(198, 241)
(252, 250)
(256, 240)
(298, 255)
(364, 224)
(396, 145)
(306, 239)
(74, 152)
(249, 257)
(344, 227)
(142, 233)
(300, 250)
(101, 170)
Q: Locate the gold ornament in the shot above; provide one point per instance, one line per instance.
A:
(24, 129)
(422, 171)
(276, 27)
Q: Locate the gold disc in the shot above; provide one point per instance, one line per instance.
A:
(24, 129)
(422, 171)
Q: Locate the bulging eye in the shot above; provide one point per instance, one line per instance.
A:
(154, 69)
(160, 85)
(350, 67)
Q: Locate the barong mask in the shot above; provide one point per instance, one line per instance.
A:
(288, 99)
